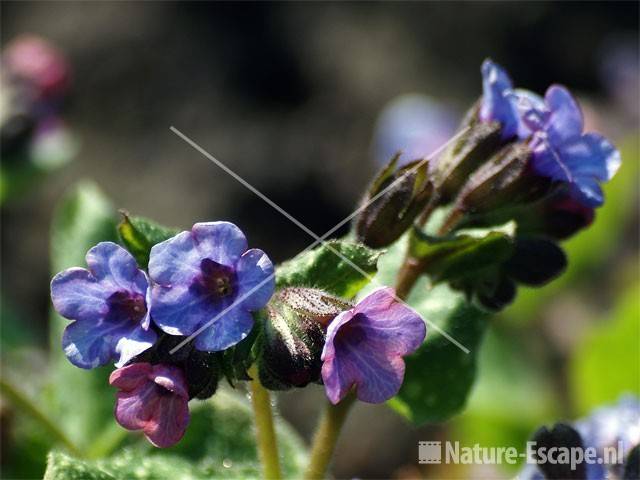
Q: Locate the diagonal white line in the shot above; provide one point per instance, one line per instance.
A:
(317, 238)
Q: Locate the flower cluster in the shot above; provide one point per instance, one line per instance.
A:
(203, 291)
(553, 128)
(204, 282)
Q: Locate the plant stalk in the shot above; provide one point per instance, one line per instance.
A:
(324, 441)
(265, 431)
(28, 406)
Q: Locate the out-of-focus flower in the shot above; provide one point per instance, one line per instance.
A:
(553, 129)
(110, 305)
(154, 399)
(414, 124)
(40, 64)
(207, 273)
(611, 424)
(604, 428)
(365, 345)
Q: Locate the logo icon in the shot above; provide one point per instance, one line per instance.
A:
(429, 452)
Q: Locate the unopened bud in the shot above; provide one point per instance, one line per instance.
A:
(496, 293)
(479, 143)
(294, 335)
(506, 180)
(535, 261)
(393, 201)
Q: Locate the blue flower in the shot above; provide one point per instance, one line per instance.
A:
(365, 347)
(553, 128)
(110, 305)
(206, 281)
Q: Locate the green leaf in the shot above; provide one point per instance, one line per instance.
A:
(325, 268)
(464, 254)
(439, 376)
(219, 443)
(81, 399)
(605, 363)
(139, 234)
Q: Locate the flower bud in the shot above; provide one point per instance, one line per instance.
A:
(293, 337)
(480, 142)
(506, 180)
(398, 194)
(202, 370)
(535, 261)
(497, 293)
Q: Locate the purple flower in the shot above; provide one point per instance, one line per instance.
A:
(208, 282)
(563, 153)
(554, 129)
(365, 346)
(110, 305)
(154, 399)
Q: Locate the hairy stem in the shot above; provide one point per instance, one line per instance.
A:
(324, 441)
(265, 431)
(29, 407)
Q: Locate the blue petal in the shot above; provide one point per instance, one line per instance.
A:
(548, 161)
(497, 104)
(114, 266)
(587, 191)
(565, 120)
(136, 342)
(230, 328)
(77, 295)
(256, 279)
(532, 112)
(175, 261)
(180, 310)
(221, 242)
(590, 155)
(89, 345)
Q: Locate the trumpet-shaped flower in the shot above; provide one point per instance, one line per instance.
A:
(154, 399)
(365, 346)
(553, 128)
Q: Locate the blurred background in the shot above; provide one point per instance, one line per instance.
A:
(306, 101)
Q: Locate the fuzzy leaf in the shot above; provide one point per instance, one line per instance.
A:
(464, 254)
(325, 268)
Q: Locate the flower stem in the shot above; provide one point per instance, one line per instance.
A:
(23, 402)
(265, 431)
(326, 436)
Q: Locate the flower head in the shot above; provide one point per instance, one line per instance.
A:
(206, 279)
(154, 399)
(110, 305)
(365, 346)
(563, 153)
(553, 128)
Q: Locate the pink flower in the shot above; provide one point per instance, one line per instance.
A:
(152, 398)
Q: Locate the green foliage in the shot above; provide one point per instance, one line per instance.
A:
(325, 268)
(605, 363)
(464, 254)
(219, 443)
(139, 234)
(439, 376)
(81, 399)
(512, 395)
